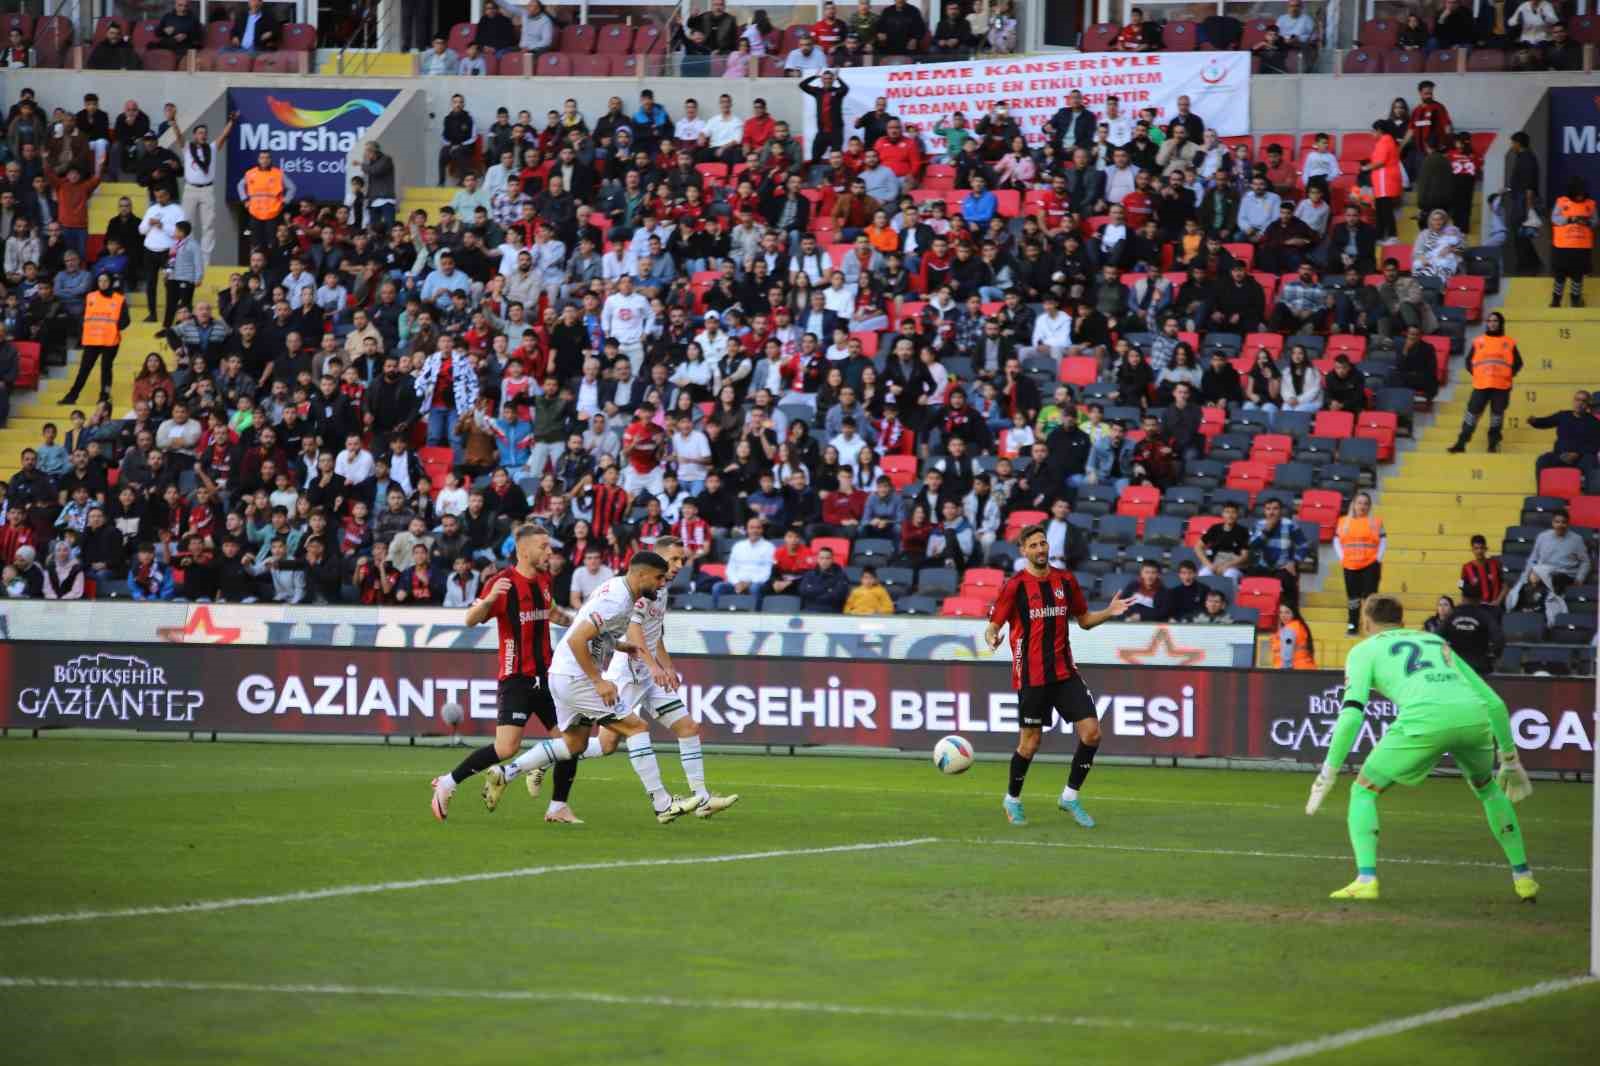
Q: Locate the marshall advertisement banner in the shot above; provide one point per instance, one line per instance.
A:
(1574, 140)
(1033, 88)
(309, 132)
(799, 636)
(1155, 711)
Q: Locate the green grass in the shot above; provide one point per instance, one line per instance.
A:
(964, 950)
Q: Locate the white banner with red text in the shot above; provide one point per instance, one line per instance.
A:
(924, 95)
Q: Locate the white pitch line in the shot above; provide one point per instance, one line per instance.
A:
(1256, 854)
(1334, 1041)
(337, 891)
(611, 999)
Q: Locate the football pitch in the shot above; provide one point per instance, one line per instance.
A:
(180, 902)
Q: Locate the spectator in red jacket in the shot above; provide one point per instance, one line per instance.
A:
(898, 152)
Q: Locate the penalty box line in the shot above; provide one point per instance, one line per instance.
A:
(614, 1000)
(337, 891)
(1394, 1027)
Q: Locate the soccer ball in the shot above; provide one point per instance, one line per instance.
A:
(451, 713)
(952, 755)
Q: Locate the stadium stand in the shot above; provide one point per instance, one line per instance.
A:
(922, 368)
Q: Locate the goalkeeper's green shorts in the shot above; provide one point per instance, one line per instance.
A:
(1406, 758)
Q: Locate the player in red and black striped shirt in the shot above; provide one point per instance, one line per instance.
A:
(1036, 605)
(518, 599)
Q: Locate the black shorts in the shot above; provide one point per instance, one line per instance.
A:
(1037, 705)
(522, 698)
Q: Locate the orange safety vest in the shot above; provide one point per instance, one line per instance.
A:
(1491, 362)
(1578, 232)
(1302, 654)
(1359, 539)
(101, 313)
(263, 193)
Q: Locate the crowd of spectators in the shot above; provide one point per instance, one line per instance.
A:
(767, 350)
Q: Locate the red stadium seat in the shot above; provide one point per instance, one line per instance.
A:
(27, 364)
(1444, 61)
(514, 65)
(461, 35)
(899, 469)
(236, 62)
(1179, 35)
(1098, 38)
(1245, 253)
(553, 64)
(615, 39)
(1141, 502)
(1379, 34)
(1585, 511)
(159, 59)
(218, 34)
(1020, 520)
(1399, 61)
(1357, 146)
(1351, 345)
(1008, 203)
(1338, 424)
(578, 39)
(23, 24)
(1585, 29)
(1079, 370)
(206, 60)
(963, 607)
(1262, 595)
(1565, 482)
(1255, 31)
(592, 66)
(1384, 431)
(1249, 477)
(299, 37)
(145, 33)
(839, 545)
(648, 39)
(1271, 448)
(982, 581)
(1362, 61)
(281, 63)
(1196, 528)
(1282, 140)
(1321, 506)
(1467, 300)
(1400, 253)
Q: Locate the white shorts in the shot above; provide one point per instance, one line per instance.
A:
(632, 481)
(577, 700)
(640, 694)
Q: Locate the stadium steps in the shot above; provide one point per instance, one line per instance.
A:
(373, 65)
(1434, 502)
(31, 410)
(424, 198)
(103, 204)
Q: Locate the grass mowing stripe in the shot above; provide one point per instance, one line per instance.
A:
(610, 999)
(1256, 854)
(434, 882)
(1335, 1041)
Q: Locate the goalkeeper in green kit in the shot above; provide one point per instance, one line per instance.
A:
(1442, 706)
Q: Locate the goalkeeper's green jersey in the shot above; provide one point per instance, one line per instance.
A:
(1432, 689)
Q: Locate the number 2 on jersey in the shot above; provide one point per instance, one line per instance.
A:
(1414, 659)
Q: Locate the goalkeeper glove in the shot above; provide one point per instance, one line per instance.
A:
(1513, 778)
(1321, 787)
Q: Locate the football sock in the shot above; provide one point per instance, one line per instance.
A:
(477, 762)
(694, 767)
(561, 781)
(1069, 794)
(543, 753)
(1363, 822)
(643, 757)
(593, 749)
(1082, 763)
(1503, 824)
(1019, 773)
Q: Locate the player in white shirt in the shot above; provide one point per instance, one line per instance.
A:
(584, 698)
(647, 684)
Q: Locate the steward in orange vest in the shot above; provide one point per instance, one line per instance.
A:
(1572, 228)
(1494, 361)
(105, 316)
(1359, 540)
(263, 191)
